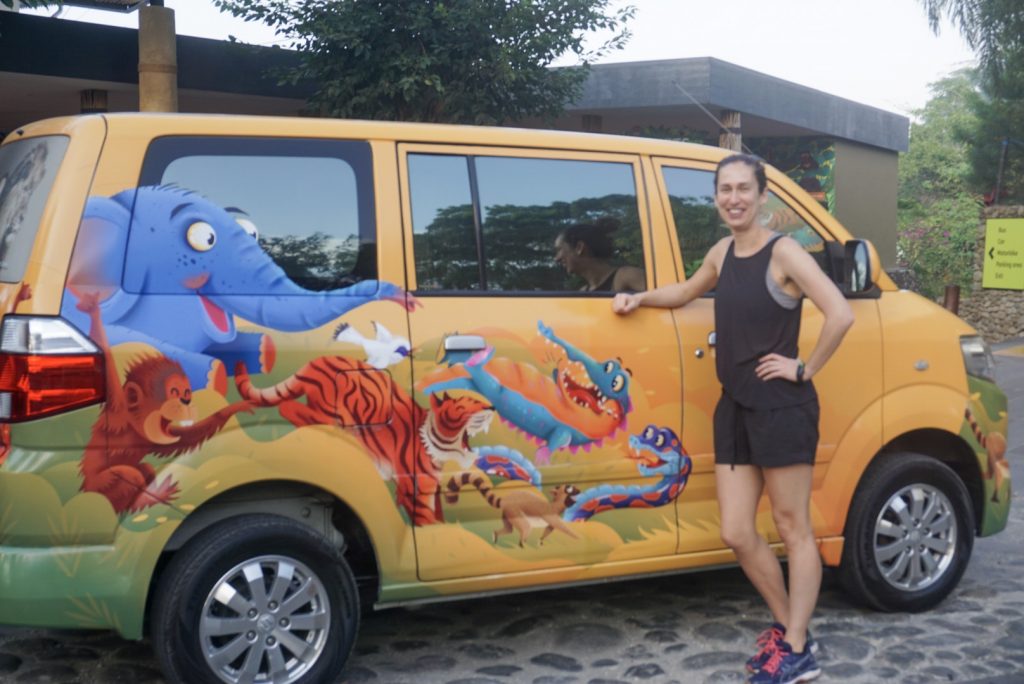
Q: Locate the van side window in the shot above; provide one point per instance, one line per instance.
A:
(444, 236)
(308, 202)
(488, 223)
(691, 197)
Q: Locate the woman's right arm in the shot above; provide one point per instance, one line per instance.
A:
(677, 294)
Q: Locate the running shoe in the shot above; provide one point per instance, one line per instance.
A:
(767, 642)
(785, 667)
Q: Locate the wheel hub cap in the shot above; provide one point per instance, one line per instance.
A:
(915, 537)
(265, 620)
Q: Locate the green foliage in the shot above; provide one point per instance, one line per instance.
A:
(992, 28)
(446, 251)
(703, 228)
(940, 247)
(938, 214)
(998, 121)
(995, 30)
(456, 61)
(315, 262)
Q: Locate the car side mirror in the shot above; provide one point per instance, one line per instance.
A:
(860, 266)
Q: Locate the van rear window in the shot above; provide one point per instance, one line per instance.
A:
(27, 171)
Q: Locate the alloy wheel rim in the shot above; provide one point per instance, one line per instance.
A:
(915, 537)
(266, 619)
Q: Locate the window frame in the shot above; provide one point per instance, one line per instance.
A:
(467, 151)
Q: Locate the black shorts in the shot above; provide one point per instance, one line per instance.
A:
(768, 438)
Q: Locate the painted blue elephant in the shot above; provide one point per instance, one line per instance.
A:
(173, 269)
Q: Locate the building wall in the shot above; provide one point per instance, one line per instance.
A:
(866, 185)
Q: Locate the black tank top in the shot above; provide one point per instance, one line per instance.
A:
(606, 284)
(749, 323)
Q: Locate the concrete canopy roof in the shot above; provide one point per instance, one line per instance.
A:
(213, 75)
(769, 105)
(220, 76)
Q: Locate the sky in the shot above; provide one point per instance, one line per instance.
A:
(876, 52)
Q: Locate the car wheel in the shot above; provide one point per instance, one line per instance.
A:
(256, 598)
(909, 534)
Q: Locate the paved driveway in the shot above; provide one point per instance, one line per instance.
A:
(685, 628)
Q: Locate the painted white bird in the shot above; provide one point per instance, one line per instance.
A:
(383, 351)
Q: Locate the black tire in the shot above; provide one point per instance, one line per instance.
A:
(907, 541)
(287, 555)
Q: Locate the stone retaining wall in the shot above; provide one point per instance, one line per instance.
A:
(997, 314)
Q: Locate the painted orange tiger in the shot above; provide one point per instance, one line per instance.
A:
(408, 443)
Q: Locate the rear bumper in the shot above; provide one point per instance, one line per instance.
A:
(74, 587)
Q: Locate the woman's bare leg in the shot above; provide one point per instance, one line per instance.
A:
(789, 490)
(739, 489)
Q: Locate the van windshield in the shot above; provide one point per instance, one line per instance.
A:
(27, 171)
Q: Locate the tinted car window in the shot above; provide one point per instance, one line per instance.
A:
(309, 203)
(444, 236)
(490, 223)
(691, 198)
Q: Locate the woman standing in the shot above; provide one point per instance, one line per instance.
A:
(766, 422)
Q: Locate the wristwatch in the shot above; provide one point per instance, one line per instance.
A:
(799, 371)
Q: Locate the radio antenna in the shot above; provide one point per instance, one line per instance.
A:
(721, 126)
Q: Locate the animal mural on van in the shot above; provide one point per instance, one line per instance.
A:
(382, 351)
(407, 442)
(582, 404)
(161, 256)
(169, 268)
(521, 510)
(997, 468)
(658, 453)
(151, 414)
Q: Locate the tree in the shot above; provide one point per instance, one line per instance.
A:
(457, 61)
(995, 30)
(997, 142)
(937, 212)
(30, 4)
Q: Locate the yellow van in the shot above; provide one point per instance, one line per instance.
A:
(258, 373)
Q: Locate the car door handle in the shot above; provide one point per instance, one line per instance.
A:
(464, 343)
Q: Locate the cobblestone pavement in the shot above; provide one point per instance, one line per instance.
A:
(685, 628)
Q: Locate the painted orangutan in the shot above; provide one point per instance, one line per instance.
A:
(150, 414)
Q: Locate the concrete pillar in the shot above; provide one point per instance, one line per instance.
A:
(158, 60)
(93, 101)
(732, 137)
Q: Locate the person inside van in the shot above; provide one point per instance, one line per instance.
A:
(586, 250)
(766, 421)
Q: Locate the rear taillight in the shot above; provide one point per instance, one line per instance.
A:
(46, 367)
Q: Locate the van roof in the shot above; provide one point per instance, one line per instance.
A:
(160, 124)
